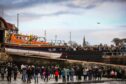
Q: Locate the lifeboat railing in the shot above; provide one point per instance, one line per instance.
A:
(114, 53)
(57, 42)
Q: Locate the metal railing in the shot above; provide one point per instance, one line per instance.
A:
(114, 53)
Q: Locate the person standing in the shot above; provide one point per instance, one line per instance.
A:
(46, 73)
(56, 75)
(72, 74)
(100, 72)
(41, 72)
(29, 73)
(68, 73)
(90, 74)
(24, 74)
(9, 72)
(2, 70)
(63, 75)
(36, 72)
(15, 70)
(79, 73)
(85, 73)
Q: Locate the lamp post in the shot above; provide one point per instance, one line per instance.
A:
(55, 38)
(70, 39)
(18, 20)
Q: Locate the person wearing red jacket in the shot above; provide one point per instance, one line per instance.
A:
(56, 75)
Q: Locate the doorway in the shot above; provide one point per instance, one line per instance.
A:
(2, 38)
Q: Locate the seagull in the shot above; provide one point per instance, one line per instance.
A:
(98, 22)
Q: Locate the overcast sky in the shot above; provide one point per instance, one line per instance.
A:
(59, 17)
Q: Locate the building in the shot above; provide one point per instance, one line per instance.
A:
(5, 30)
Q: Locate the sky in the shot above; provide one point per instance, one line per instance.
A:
(98, 20)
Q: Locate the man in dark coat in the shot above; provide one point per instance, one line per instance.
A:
(9, 72)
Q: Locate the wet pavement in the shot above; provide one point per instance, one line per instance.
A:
(52, 81)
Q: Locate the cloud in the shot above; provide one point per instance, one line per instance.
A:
(61, 6)
(122, 30)
(33, 16)
(86, 4)
(123, 34)
(49, 14)
(83, 4)
(16, 4)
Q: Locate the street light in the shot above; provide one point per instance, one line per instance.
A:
(55, 38)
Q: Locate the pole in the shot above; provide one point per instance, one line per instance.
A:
(2, 12)
(18, 21)
(45, 35)
(55, 38)
(70, 38)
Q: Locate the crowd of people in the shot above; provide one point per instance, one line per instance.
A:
(8, 70)
(56, 72)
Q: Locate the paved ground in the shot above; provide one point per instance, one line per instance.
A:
(52, 81)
